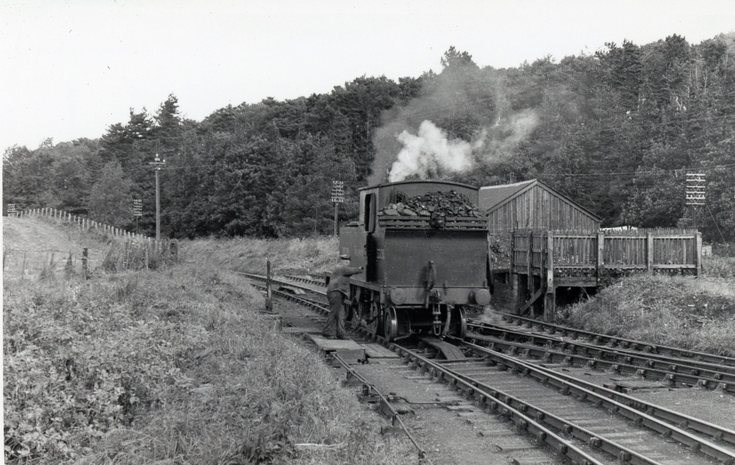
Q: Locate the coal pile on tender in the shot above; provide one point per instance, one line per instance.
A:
(432, 205)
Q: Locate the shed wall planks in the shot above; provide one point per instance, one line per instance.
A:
(540, 208)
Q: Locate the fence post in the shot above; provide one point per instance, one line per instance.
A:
(550, 298)
(529, 258)
(600, 255)
(649, 252)
(698, 253)
(268, 292)
(85, 263)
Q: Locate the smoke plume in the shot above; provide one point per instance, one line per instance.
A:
(460, 122)
(430, 154)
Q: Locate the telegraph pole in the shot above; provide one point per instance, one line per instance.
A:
(157, 164)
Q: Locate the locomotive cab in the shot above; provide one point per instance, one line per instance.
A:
(423, 248)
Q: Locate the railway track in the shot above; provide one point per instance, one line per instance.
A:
(544, 348)
(688, 369)
(600, 427)
(661, 363)
(585, 347)
(614, 341)
(586, 423)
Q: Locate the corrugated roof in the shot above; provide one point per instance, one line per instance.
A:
(492, 196)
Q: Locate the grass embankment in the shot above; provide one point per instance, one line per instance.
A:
(310, 255)
(693, 313)
(169, 367)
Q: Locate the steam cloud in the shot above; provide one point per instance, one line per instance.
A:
(410, 144)
(430, 153)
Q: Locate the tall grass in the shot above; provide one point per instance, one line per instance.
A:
(168, 367)
(682, 311)
(719, 267)
(310, 255)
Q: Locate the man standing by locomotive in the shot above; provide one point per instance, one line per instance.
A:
(338, 290)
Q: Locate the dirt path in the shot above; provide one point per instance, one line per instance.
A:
(32, 244)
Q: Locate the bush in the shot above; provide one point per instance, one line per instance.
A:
(138, 255)
(315, 255)
(719, 267)
(694, 313)
(165, 367)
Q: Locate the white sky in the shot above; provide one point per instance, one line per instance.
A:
(70, 68)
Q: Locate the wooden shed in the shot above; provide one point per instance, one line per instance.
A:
(527, 205)
(533, 205)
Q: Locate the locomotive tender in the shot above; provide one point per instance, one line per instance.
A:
(420, 270)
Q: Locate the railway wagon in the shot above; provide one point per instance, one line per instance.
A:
(423, 246)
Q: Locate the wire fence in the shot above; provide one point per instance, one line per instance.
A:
(84, 224)
(111, 249)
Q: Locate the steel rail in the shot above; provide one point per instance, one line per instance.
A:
(677, 360)
(526, 413)
(703, 360)
(552, 356)
(611, 358)
(600, 339)
(495, 405)
(716, 432)
(301, 279)
(549, 378)
(300, 300)
(653, 413)
(535, 337)
(527, 424)
(367, 389)
(278, 281)
(667, 372)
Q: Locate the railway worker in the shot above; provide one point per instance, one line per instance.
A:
(337, 291)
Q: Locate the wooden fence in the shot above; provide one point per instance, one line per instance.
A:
(590, 254)
(545, 260)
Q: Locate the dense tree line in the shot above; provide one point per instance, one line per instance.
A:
(617, 131)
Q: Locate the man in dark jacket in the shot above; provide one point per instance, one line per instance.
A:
(337, 291)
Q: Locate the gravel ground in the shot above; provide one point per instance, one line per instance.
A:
(713, 406)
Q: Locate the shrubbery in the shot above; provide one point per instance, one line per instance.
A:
(694, 313)
(173, 366)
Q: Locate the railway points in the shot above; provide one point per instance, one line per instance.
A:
(637, 422)
(673, 372)
(615, 341)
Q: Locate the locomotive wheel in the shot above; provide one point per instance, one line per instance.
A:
(356, 315)
(459, 322)
(390, 324)
(373, 321)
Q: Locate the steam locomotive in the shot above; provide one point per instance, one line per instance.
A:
(423, 246)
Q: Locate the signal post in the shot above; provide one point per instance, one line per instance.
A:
(338, 197)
